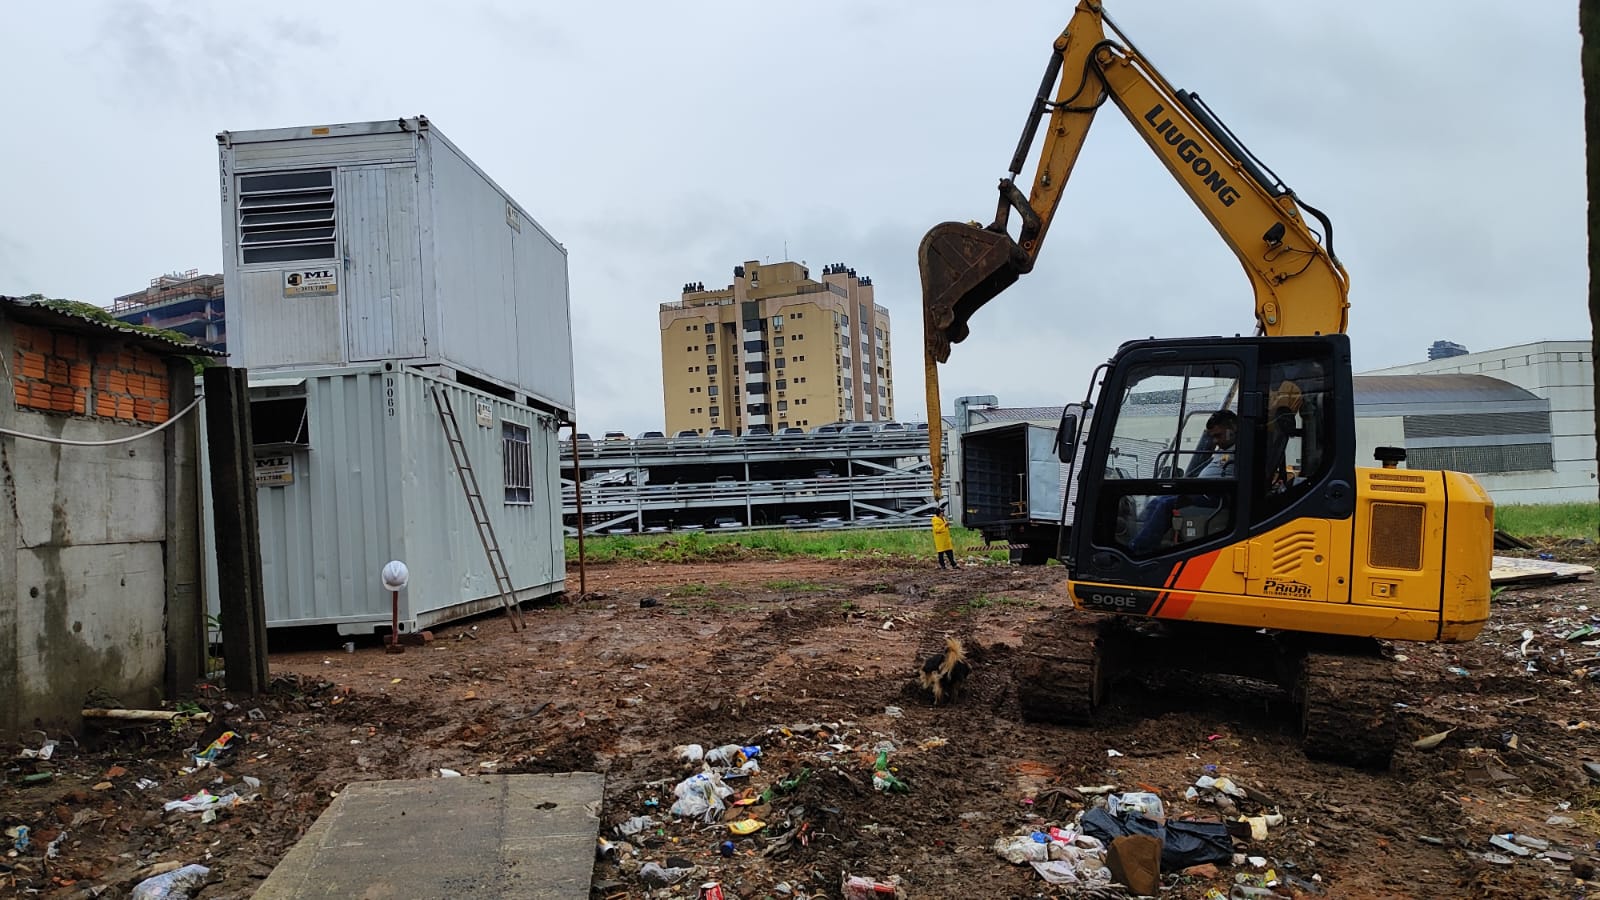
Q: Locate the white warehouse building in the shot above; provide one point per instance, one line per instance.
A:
(1519, 419)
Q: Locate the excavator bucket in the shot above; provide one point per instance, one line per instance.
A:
(963, 267)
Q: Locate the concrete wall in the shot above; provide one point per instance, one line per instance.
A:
(1561, 372)
(84, 532)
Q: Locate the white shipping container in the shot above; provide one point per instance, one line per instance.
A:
(381, 241)
(353, 470)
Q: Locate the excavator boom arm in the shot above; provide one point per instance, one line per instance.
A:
(1299, 286)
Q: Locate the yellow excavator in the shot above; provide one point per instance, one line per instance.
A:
(1219, 521)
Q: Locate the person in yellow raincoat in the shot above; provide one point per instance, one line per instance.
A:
(941, 540)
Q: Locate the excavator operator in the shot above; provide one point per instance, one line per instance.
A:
(1222, 430)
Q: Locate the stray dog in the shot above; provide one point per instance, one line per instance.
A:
(943, 673)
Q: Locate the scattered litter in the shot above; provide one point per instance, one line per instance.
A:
(1510, 846)
(449, 773)
(1457, 670)
(635, 825)
(217, 751)
(691, 753)
(1183, 843)
(885, 780)
(1432, 740)
(204, 801)
(174, 885)
(256, 715)
(701, 795)
(53, 849)
(19, 838)
(893, 712)
(855, 887)
(1559, 821)
(657, 876)
(746, 826)
(45, 750)
(1113, 753)
(145, 784)
(1527, 638)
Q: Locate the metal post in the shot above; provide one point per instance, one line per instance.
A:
(394, 625)
(577, 493)
(238, 541)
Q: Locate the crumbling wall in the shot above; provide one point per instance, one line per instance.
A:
(83, 531)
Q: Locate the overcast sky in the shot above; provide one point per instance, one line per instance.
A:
(667, 143)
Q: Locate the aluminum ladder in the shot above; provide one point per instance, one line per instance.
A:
(480, 512)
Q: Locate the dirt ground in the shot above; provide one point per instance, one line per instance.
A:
(809, 660)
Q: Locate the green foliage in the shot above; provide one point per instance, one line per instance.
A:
(101, 314)
(698, 546)
(1555, 520)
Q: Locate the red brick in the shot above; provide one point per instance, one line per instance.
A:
(105, 406)
(28, 337)
(30, 365)
(70, 346)
(55, 370)
(124, 407)
(78, 374)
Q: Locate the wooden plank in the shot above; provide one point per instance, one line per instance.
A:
(1515, 570)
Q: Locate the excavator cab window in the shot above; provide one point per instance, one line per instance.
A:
(1297, 429)
(1175, 443)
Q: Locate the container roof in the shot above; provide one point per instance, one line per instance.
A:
(68, 315)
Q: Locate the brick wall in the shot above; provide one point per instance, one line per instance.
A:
(59, 372)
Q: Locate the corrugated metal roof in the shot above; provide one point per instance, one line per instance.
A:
(1370, 390)
(1424, 389)
(63, 314)
(1016, 413)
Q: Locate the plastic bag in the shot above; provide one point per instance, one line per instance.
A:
(701, 795)
(1144, 804)
(205, 800)
(1020, 849)
(174, 885)
(1183, 843)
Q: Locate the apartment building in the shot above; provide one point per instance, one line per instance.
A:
(776, 349)
(186, 302)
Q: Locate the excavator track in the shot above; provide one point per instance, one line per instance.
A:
(1347, 708)
(1065, 671)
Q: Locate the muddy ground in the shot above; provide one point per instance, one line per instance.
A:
(805, 659)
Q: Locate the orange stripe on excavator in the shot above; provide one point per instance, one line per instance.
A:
(1190, 576)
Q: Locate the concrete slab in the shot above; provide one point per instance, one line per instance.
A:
(504, 837)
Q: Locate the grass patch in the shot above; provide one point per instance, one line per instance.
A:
(789, 584)
(986, 601)
(893, 543)
(1557, 520)
(691, 590)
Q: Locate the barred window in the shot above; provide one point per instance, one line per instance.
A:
(287, 217)
(518, 463)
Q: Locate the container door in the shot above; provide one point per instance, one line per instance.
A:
(383, 262)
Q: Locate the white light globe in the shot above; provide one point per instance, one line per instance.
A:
(395, 575)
